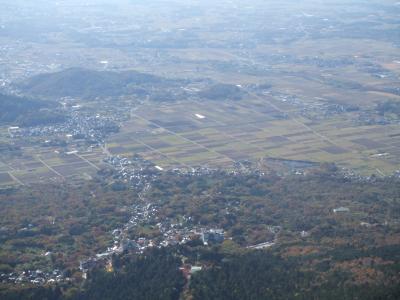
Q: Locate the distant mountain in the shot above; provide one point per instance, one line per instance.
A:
(26, 112)
(84, 83)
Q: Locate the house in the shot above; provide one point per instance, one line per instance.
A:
(87, 264)
(341, 210)
(195, 269)
(304, 234)
(213, 236)
(189, 270)
(127, 245)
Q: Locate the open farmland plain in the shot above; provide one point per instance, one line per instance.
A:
(172, 136)
(148, 148)
(318, 82)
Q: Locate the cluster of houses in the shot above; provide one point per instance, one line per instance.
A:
(319, 109)
(78, 125)
(136, 170)
(139, 171)
(169, 234)
(371, 117)
(315, 109)
(170, 237)
(34, 277)
(341, 210)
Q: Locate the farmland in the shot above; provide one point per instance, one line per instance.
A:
(172, 136)
(199, 149)
(48, 165)
(271, 81)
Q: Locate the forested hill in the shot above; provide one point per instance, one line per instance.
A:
(25, 112)
(222, 91)
(90, 84)
(78, 82)
(318, 251)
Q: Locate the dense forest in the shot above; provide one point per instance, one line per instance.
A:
(90, 84)
(27, 112)
(317, 253)
(222, 92)
(84, 83)
(245, 206)
(72, 222)
(262, 275)
(154, 275)
(240, 276)
(389, 107)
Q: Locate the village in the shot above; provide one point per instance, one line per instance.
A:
(169, 234)
(79, 124)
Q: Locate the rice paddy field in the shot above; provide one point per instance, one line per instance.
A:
(48, 165)
(311, 56)
(173, 135)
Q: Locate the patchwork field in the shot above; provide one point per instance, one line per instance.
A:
(303, 76)
(48, 165)
(219, 133)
